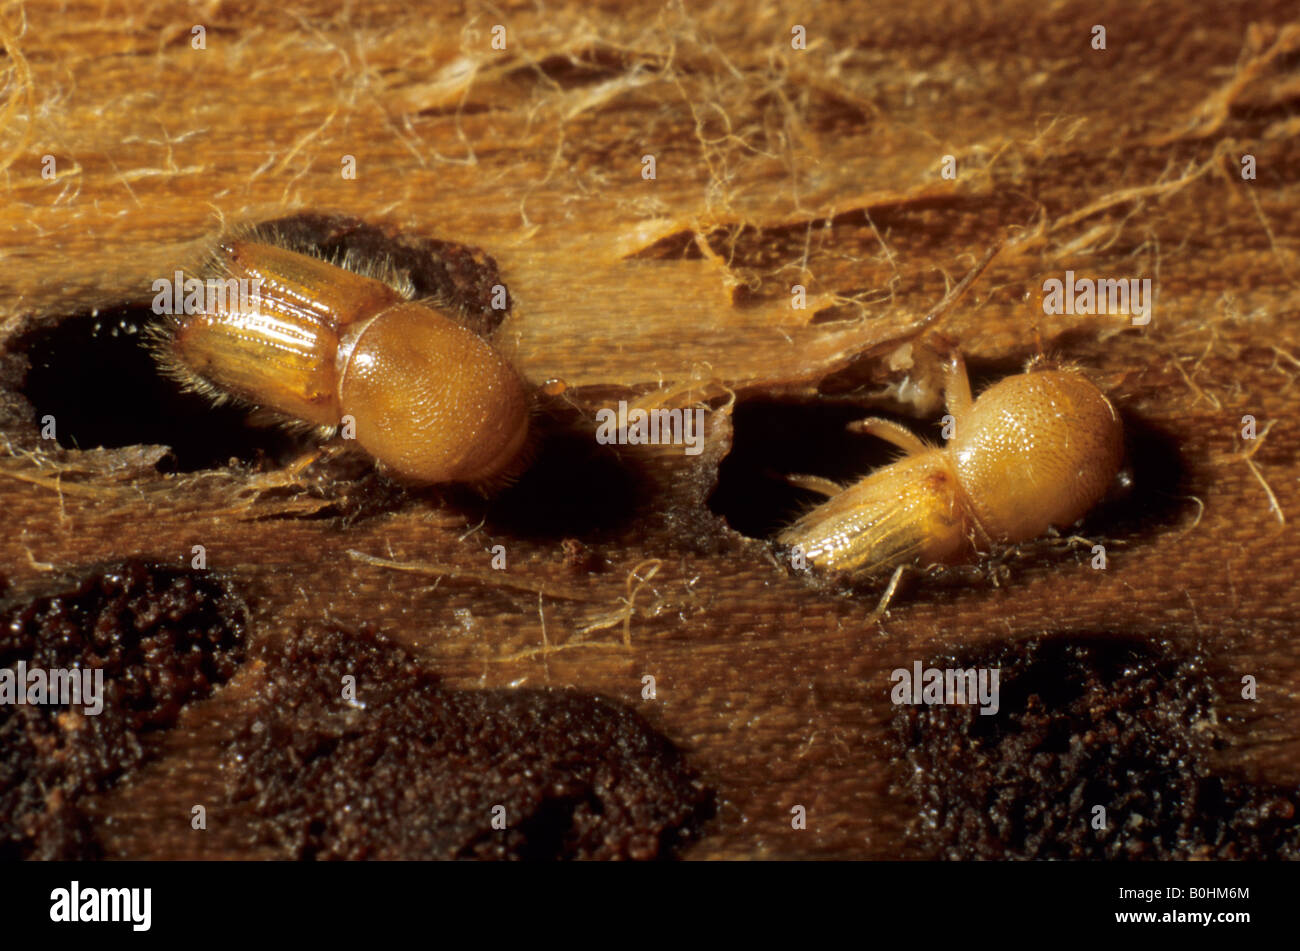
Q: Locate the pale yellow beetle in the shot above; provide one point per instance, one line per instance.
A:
(1034, 451)
(431, 400)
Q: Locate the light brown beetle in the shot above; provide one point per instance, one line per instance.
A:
(318, 342)
(1034, 451)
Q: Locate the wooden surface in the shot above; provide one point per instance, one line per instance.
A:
(773, 167)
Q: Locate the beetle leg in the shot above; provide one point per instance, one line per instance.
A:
(956, 384)
(815, 484)
(890, 590)
(888, 430)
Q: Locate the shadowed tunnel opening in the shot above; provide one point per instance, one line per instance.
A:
(773, 440)
(574, 487)
(95, 375)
